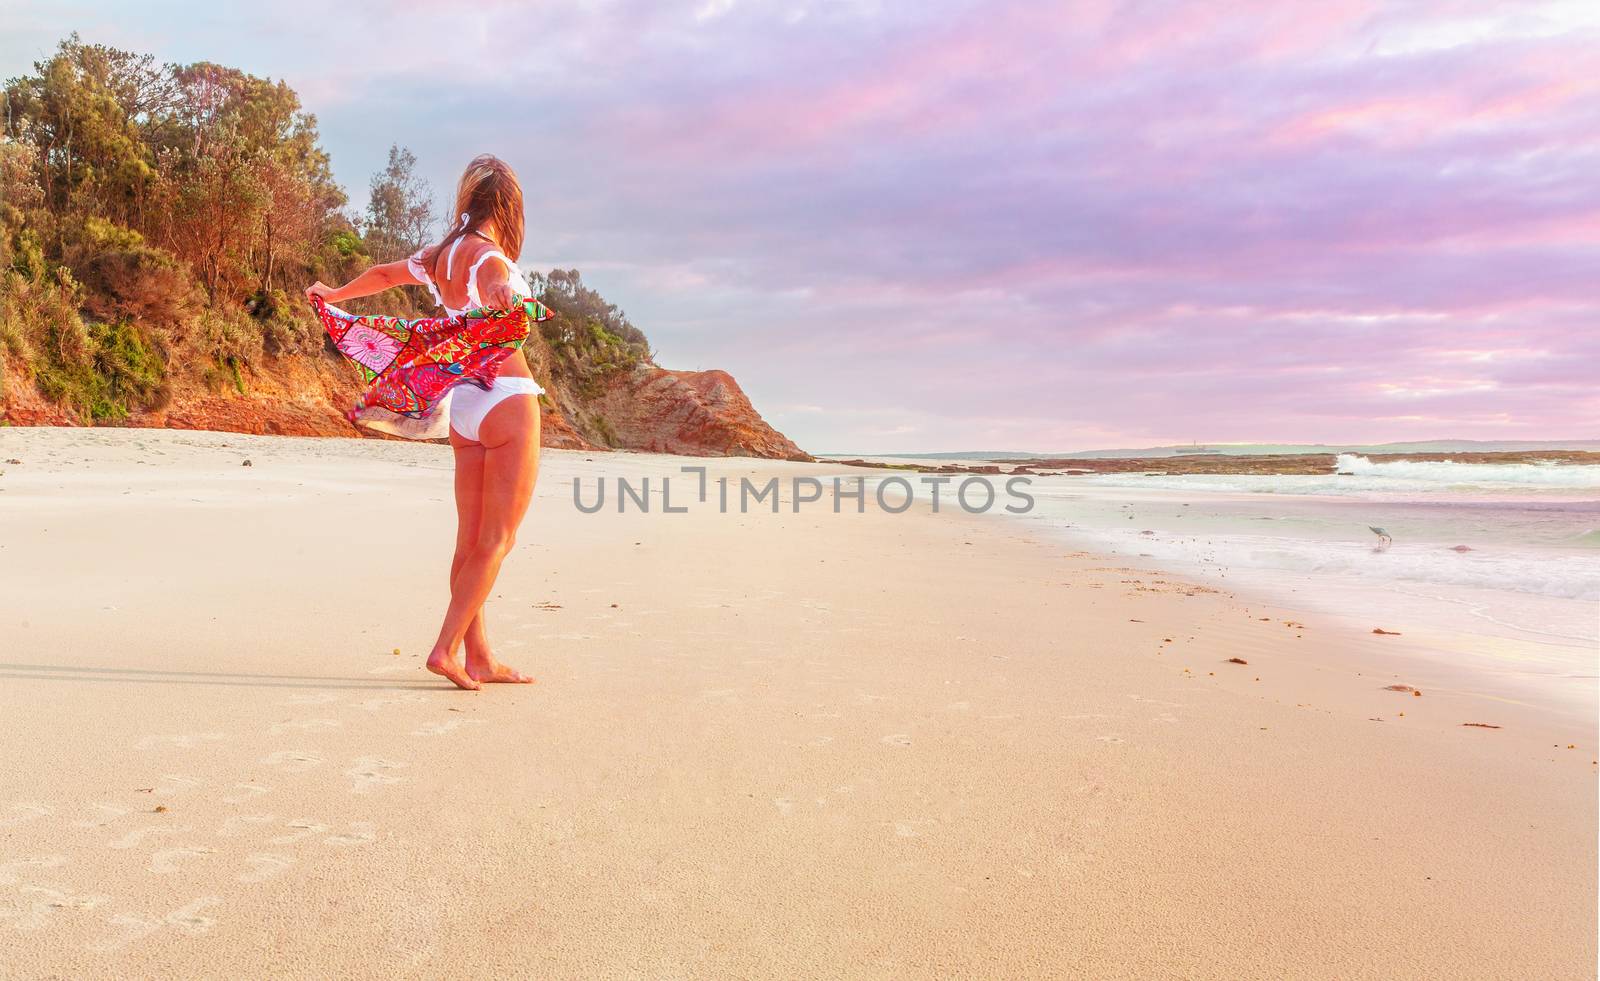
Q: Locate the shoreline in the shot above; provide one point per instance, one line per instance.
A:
(808, 726)
(1453, 628)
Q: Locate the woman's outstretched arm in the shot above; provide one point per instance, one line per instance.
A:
(374, 280)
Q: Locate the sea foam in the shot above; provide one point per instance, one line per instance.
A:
(1488, 475)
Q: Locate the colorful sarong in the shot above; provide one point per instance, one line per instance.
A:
(410, 366)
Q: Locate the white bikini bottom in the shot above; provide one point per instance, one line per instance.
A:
(469, 403)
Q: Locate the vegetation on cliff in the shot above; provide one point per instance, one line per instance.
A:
(159, 220)
(155, 222)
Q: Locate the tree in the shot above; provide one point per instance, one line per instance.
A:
(576, 306)
(400, 208)
(243, 179)
(92, 154)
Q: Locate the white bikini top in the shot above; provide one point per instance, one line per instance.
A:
(419, 269)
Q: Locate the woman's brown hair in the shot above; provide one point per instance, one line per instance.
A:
(488, 192)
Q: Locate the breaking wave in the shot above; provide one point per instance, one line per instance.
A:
(1447, 473)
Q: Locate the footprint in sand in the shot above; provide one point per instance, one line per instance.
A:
(188, 918)
(1155, 701)
(784, 805)
(238, 823)
(247, 792)
(1082, 850)
(311, 698)
(173, 784)
(369, 773)
(1109, 739)
(130, 928)
(264, 866)
(303, 828)
(397, 668)
(384, 701)
(293, 760)
(24, 811)
(360, 833)
(132, 838)
(898, 739)
(304, 725)
(11, 872)
(180, 741)
(166, 861)
(108, 813)
(912, 828)
(43, 903)
(440, 728)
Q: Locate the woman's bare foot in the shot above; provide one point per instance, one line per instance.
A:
(484, 668)
(443, 664)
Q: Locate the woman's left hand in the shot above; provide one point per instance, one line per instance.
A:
(319, 288)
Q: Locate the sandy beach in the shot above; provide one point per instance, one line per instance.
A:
(792, 745)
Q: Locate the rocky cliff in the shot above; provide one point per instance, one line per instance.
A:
(689, 412)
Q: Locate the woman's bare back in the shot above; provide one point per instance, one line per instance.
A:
(451, 284)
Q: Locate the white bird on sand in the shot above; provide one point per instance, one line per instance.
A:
(1383, 536)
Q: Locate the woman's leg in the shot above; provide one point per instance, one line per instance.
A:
(510, 449)
(469, 510)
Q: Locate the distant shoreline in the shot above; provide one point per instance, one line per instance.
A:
(1320, 464)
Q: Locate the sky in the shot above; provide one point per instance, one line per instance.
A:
(1041, 226)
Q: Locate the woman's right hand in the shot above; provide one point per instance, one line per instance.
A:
(499, 296)
(320, 289)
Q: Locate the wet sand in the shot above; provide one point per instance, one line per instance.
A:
(761, 745)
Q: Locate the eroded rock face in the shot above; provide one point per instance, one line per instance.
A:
(245, 414)
(557, 433)
(694, 413)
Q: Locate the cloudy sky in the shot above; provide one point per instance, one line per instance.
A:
(952, 225)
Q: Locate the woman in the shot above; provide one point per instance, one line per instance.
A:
(487, 398)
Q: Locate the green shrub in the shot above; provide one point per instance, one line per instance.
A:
(123, 371)
(27, 258)
(134, 368)
(346, 243)
(602, 428)
(14, 316)
(39, 317)
(222, 335)
(282, 332)
(223, 375)
(124, 277)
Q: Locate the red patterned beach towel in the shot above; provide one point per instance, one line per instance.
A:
(410, 366)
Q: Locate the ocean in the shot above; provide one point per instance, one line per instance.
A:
(1496, 566)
